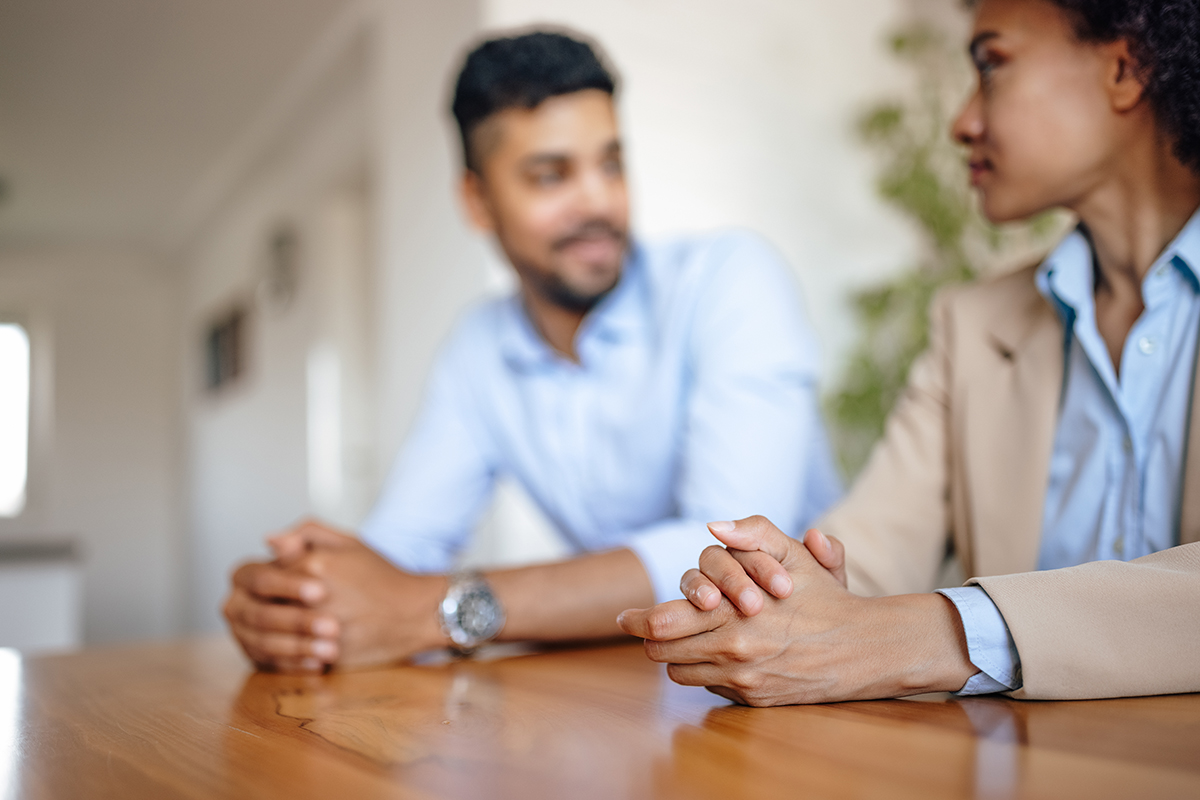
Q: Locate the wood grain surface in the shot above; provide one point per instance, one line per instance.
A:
(190, 720)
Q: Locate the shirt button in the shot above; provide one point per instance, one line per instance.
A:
(1161, 271)
(1147, 345)
(1128, 445)
(1119, 546)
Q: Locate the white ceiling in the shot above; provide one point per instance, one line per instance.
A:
(112, 111)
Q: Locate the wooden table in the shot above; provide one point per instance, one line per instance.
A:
(189, 719)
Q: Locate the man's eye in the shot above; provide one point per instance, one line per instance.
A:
(613, 167)
(547, 178)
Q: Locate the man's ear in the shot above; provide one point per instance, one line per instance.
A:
(473, 193)
(1123, 81)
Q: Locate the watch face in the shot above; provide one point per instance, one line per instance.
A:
(479, 614)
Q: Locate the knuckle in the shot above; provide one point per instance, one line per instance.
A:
(738, 647)
(729, 613)
(257, 581)
(745, 681)
(313, 564)
(658, 624)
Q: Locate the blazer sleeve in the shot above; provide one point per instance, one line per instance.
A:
(895, 521)
(1106, 628)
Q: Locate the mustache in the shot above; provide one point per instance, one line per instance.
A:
(592, 229)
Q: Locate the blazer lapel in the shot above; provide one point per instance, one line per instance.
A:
(1008, 425)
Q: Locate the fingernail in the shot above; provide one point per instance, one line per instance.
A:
(780, 585)
(747, 598)
(310, 592)
(703, 593)
(325, 627)
(324, 649)
(723, 526)
(621, 619)
(825, 540)
(310, 664)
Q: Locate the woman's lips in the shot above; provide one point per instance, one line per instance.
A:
(979, 168)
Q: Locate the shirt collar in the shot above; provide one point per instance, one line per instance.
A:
(619, 316)
(1067, 277)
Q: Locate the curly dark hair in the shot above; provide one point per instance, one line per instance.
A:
(1164, 39)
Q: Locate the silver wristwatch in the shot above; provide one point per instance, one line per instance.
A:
(470, 614)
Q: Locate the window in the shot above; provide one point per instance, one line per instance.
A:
(14, 418)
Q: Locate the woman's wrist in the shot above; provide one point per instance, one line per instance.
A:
(932, 646)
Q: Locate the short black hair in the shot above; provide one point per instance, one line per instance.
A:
(1164, 40)
(521, 72)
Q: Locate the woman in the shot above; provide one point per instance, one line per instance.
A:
(1044, 436)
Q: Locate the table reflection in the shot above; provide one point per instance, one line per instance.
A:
(508, 724)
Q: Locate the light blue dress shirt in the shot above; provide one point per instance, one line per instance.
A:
(1116, 471)
(694, 399)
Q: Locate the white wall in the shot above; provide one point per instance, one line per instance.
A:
(364, 170)
(248, 470)
(104, 458)
(429, 265)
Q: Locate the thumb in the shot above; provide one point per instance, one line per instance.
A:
(288, 546)
(829, 553)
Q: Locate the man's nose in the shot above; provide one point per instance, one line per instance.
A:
(599, 192)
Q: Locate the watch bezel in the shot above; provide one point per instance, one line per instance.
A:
(465, 590)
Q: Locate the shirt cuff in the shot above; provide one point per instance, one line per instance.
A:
(667, 550)
(989, 643)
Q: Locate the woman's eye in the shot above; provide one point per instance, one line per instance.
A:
(986, 67)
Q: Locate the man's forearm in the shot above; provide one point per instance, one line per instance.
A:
(576, 599)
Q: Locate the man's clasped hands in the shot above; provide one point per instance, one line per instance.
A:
(768, 619)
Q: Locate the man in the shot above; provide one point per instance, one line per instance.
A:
(633, 390)
(1050, 436)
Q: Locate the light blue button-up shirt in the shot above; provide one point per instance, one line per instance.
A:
(694, 399)
(1116, 471)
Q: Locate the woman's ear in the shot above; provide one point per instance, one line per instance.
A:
(473, 193)
(1124, 83)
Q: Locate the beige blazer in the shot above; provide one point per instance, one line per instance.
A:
(963, 468)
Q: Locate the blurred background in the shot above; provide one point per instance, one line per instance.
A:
(229, 249)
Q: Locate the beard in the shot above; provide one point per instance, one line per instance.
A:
(557, 289)
(554, 288)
